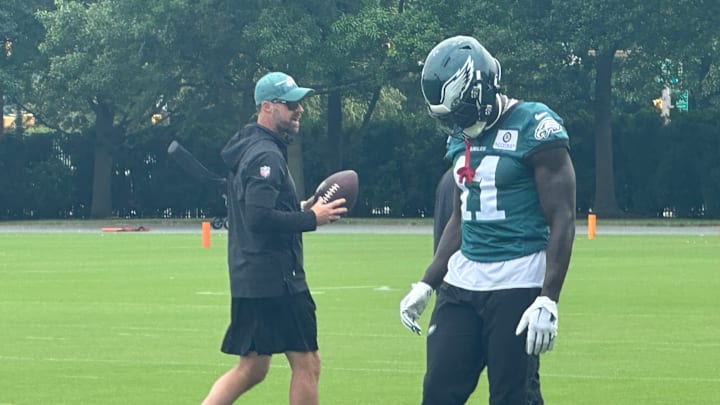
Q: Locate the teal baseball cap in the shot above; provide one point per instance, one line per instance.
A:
(279, 86)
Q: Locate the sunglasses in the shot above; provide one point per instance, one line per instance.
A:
(291, 105)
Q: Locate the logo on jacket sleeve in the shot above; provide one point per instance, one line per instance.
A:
(265, 171)
(506, 139)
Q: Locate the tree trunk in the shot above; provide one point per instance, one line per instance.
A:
(2, 108)
(334, 131)
(605, 201)
(19, 124)
(101, 205)
(371, 108)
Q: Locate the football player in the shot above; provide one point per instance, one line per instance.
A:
(505, 251)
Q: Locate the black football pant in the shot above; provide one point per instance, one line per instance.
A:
(472, 330)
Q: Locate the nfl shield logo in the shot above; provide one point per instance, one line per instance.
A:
(265, 171)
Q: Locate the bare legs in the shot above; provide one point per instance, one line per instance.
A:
(249, 372)
(252, 369)
(305, 368)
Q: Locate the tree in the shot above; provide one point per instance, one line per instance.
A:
(373, 52)
(20, 32)
(601, 56)
(629, 38)
(348, 51)
(109, 71)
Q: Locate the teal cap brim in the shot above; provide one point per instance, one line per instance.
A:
(297, 94)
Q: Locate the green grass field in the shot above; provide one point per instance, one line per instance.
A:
(128, 318)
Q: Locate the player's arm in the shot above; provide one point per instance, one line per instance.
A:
(449, 243)
(555, 181)
(414, 303)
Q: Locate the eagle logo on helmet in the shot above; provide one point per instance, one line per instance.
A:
(459, 83)
(454, 89)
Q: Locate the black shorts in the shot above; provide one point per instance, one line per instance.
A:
(272, 325)
(473, 330)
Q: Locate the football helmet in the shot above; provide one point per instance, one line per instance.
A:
(460, 81)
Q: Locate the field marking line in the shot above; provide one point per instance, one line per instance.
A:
(115, 304)
(101, 361)
(639, 343)
(636, 378)
(317, 290)
(664, 314)
(44, 338)
(360, 369)
(320, 289)
(120, 329)
(351, 287)
(84, 377)
(126, 331)
(146, 335)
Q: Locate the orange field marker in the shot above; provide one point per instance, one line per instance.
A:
(592, 225)
(206, 235)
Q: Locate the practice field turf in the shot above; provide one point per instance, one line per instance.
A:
(130, 318)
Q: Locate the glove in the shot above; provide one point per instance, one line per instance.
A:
(541, 321)
(413, 305)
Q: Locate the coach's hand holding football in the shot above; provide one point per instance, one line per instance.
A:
(328, 212)
(541, 321)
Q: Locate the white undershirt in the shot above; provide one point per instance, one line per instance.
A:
(523, 272)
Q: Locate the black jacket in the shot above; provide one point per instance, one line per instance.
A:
(265, 252)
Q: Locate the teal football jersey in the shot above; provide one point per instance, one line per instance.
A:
(501, 214)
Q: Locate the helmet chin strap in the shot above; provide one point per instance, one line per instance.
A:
(466, 173)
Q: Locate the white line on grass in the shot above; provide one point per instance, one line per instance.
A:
(348, 287)
(678, 344)
(85, 377)
(100, 361)
(128, 328)
(671, 315)
(118, 304)
(357, 369)
(321, 289)
(542, 375)
(626, 377)
(124, 330)
(139, 335)
(44, 338)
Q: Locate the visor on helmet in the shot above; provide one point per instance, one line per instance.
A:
(463, 115)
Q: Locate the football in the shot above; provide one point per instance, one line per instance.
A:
(342, 184)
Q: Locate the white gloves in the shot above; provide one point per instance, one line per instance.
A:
(413, 305)
(541, 321)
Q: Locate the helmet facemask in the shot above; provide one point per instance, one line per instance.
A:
(463, 115)
(469, 112)
(484, 100)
